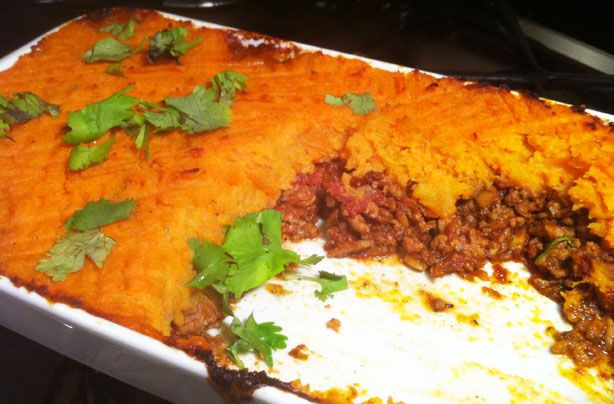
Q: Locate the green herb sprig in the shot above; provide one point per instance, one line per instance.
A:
(205, 109)
(69, 252)
(360, 104)
(121, 31)
(252, 254)
(169, 43)
(22, 108)
(262, 338)
(110, 50)
(329, 282)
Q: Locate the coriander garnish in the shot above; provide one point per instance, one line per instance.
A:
(22, 108)
(116, 69)
(93, 121)
(330, 283)
(262, 338)
(82, 157)
(360, 104)
(99, 213)
(197, 112)
(121, 31)
(108, 50)
(251, 255)
(69, 252)
(227, 83)
(206, 108)
(169, 43)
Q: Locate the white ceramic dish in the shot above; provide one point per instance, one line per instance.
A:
(388, 345)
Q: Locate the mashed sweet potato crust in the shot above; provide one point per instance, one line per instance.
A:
(449, 139)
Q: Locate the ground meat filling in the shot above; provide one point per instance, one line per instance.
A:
(204, 313)
(370, 216)
(301, 205)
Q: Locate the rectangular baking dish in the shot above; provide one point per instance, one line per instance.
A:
(379, 312)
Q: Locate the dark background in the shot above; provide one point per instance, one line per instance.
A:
(477, 39)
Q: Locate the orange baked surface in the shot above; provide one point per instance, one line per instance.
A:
(451, 139)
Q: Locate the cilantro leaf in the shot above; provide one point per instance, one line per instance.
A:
(333, 100)
(169, 43)
(116, 69)
(262, 338)
(100, 213)
(238, 347)
(227, 83)
(254, 241)
(168, 119)
(142, 141)
(330, 283)
(360, 104)
(33, 106)
(252, 254)
(4, 128)
(22, 108)
(311, 260)
(212, 262)
(122, 31)
(82, 157)
(108, 50)
(69, 252)
(93, 121)
(197, 112)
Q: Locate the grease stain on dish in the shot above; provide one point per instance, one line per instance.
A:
(519, 389)
(364, 287)
(389, 332)
(594, 382)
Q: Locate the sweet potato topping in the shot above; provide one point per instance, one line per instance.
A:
(445, 174)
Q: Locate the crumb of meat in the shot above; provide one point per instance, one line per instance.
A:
(204, 313)
(435, 303)
(592, 336)
(499, 274)
(334, 324)
(299, 352)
